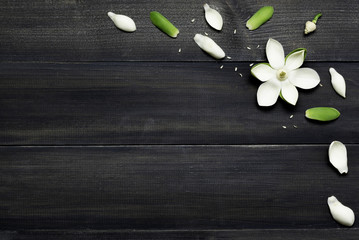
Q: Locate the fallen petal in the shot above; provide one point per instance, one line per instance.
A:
(305, 78)
(213, 17)
(342, 214)
(208, 45)
(338, 82)
(268, 93)
(275, 53)
(338, 156)
(263, 72)
(289, 93)
(122, 22)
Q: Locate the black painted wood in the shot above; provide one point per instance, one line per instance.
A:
(78, 30)
(294, 234)
(173, 187)
(163, 103)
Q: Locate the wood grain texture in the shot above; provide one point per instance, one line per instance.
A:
(172, 187)
(78, 30)
(163, 103)
(293, 234)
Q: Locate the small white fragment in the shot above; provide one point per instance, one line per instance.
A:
(342, 214)
(234, 31)
(208, 45)
(338, 82)
(248, 48)
(309, 27)
(122, 22)
(251, 64)
(235, 69)
(240, 74)
(284, 127)
(213, 18)
(295, 126)
(221, 67)
(320, 84)
(193, 20)
(228, 57)
(205, 33)
(338, 156)
(291, 116)
(179, 50)
(258, 46)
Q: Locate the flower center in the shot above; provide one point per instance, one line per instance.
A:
(282, 75)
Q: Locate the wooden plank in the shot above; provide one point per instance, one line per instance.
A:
(163, 103)
(294, 234)
(172, 187)
(74, 30)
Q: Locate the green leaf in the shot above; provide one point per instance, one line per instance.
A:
(322, 113)
(163, 24)
(260, 17)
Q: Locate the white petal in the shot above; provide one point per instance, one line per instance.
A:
(289, 92)
(342, 214)
(338, 156)
(294, 60)
(122, 22)
(275, 53)
(268, 93)
(208, 45)
(213, 17)
(305, 78)
(263, 72)
(338, 82)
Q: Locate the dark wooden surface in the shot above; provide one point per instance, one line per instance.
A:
(113, 135)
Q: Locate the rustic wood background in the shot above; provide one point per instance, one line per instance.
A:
(113, 135)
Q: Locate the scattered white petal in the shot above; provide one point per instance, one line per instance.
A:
(320, 84)
(305, 78)
(291, 116)
(228, 57)
(213, 17)
(208, 45)
(251, 64)
(235, 69)
(275, 53)
(295, 126)
(179, 50)
(234, 31)
(338, 156)
(342, 214)
(248, 48)
(284, 127)
(122, 22)
(240, 74)
(205, 33)
(193, 20)
(258, 46)
(221, 67)
(338, 82)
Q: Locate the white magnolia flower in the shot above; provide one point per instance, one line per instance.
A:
(282, 75)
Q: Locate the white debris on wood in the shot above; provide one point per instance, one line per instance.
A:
(235, 69)
(221, 67)
(291, 116)
(284, 127)
(205, 33)
(234, 31)
(258, 46)
(249, 48)
(240, 74)
(193, 20)
(179, 50)
(228, 57)
(251, 64)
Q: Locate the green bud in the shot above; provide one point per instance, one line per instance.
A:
(260, 17)
(163, 24)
